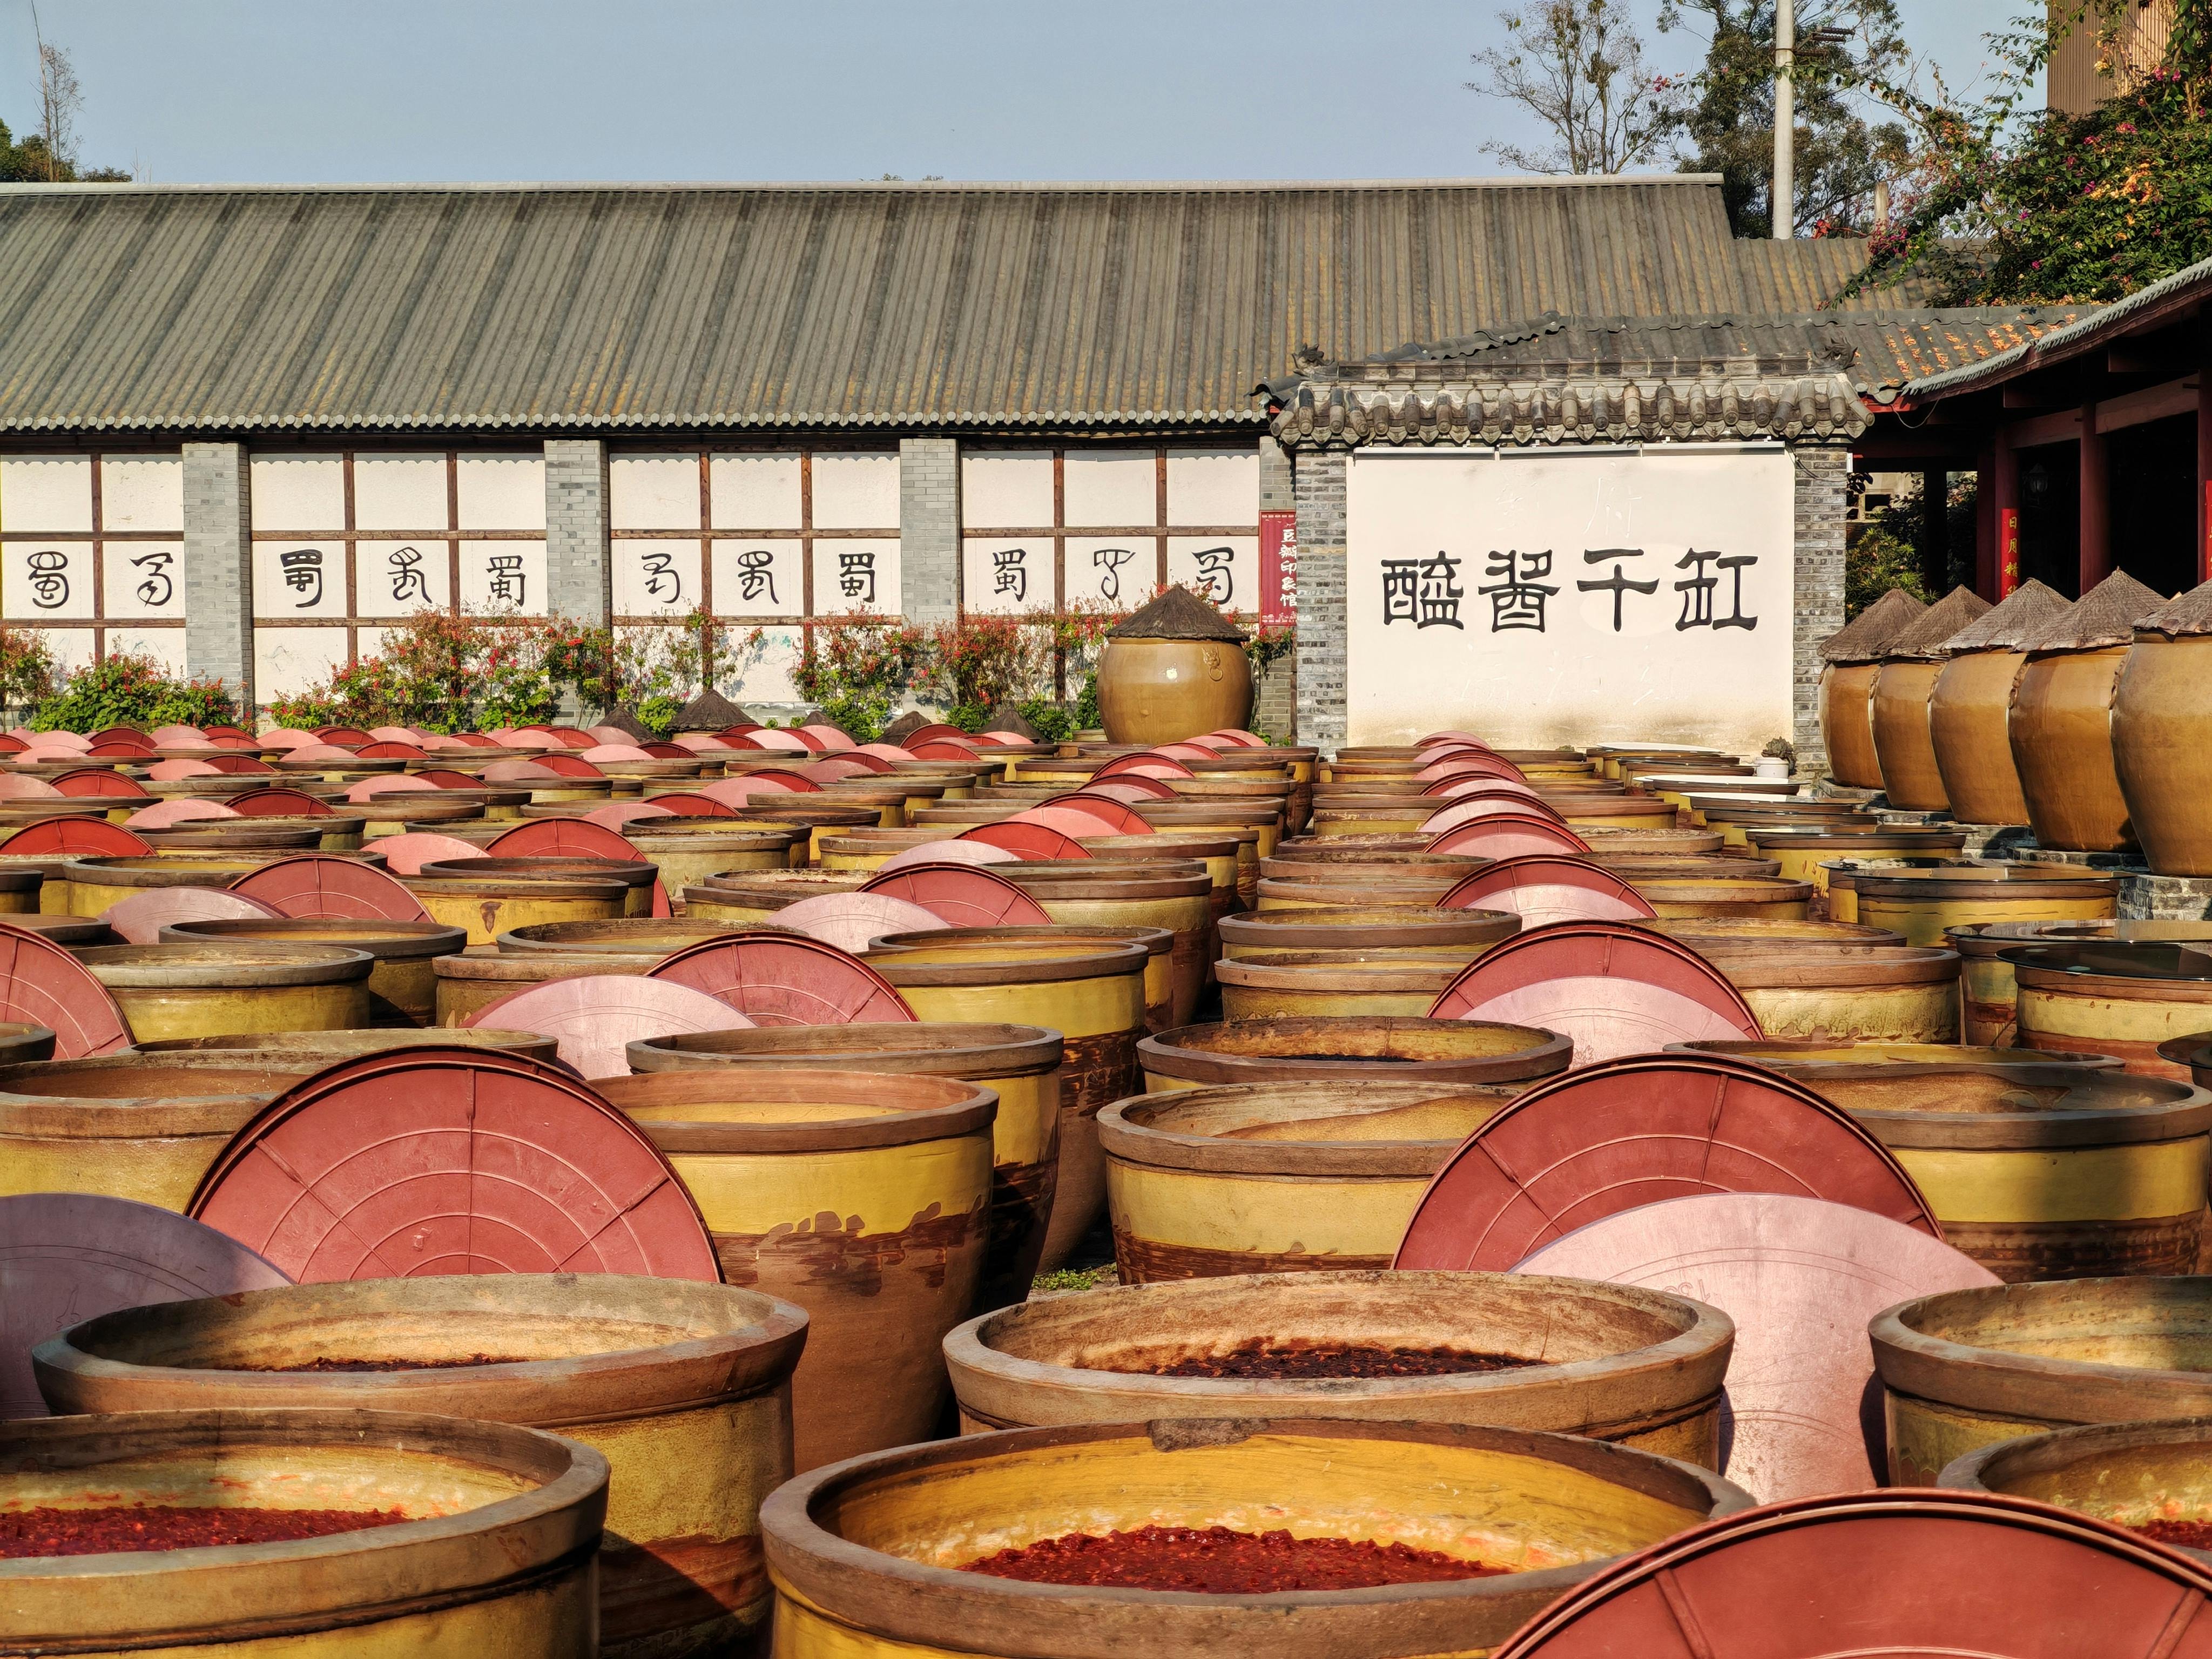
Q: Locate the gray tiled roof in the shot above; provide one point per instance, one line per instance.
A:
(704, 306)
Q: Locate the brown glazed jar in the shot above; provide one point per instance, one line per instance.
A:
(1851, 659)
(2061, 722)
(1902, 739)
(2162, 734)
(1175, 670)
(1966, 709)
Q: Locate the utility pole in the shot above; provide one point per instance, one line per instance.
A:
(1783, 196)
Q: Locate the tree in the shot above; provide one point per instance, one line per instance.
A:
(1578, 66)
(2014, 207)
(48, 156)
(1727, 116)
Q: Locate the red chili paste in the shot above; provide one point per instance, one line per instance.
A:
(326, 1364)
(1317, 1360)
(1219, 1561)
(45, 1531)
(2185, 1535)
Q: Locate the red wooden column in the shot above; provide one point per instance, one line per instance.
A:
(2006, 467)
(1985, 522)
(2205, 473)
(2096, 502)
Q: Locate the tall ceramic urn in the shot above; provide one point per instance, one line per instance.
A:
(2162, 734)
(1851, 661)
(1902, 742)
(1175, 670)
(1972, 697)
(2061, 723)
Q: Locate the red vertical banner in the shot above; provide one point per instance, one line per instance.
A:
(1278, 567)
(2007, 549)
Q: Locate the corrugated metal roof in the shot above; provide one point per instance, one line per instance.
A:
(527, 306)
(1877, 351)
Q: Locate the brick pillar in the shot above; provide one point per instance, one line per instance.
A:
(1822, 479)
(219, 569)
(579, 551)
(1318, 488)
(929, 529)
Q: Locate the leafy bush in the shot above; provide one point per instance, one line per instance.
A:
(121, 690)
(1874, 561)
(27, 667)
(983, 661)
(1053, 723)
(855, 670)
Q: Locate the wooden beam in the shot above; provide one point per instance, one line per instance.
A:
(2204, 475)
(2063, 427)
(1986, 523)
(2153, 402)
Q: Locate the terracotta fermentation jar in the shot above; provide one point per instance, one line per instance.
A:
(1852, 658)
(684, 1388)
(495, 1554)
(866, 1557)
(2162, 735)
(1021, 1063)
(1175, 670)
(861, 1196)
(2061, 723)
(1965, 1369)
(1611, 1362)
(1902, 740)
(1967, 710)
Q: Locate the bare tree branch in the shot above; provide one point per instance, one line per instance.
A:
(1578, 66)
(59, 99)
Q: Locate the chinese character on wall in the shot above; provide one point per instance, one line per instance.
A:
(1010, 572)
(663, 583)
(756, 575)
(1109, 559)
(1698, 591)
(408, 581)
(157, 589)
(856, 575)
(1618, 583)
(1215, 578)
(1516, 598)
(508, 582)
(303, 574)
(50, 588)
(1424, 592)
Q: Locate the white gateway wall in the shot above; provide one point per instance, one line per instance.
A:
(1571, 596)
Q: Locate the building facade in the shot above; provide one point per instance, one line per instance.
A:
(245, 430)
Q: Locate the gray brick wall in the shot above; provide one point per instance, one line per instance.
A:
(1822, 475)
(1318, 487)
(1278, 488)
(579, 552)
(929, 529)
(219, 569)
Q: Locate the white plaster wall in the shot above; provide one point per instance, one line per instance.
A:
(1579, 679)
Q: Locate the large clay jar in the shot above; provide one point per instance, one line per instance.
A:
(1852, 661)
(1967, 710)
(2061, 722)
(2162, 735)
(1175, 670)
(1902, 741)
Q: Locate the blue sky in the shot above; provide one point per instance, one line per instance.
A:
(221, 91)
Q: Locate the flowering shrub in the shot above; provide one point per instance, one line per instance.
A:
(856, 668)
(438, 671)
(121, 690)
(983, 661)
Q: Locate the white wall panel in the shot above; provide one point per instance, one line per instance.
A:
(1005, 489)
(298, 493)
(500, 492)
(1213, 487)
(652, 492)
(763, 578)
(1111, 486)
(756, 491)
(400, 492)
(144, 579)
(398, 578)
(503, 576)
(855, 492)
(138, 492)
(45, 493)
